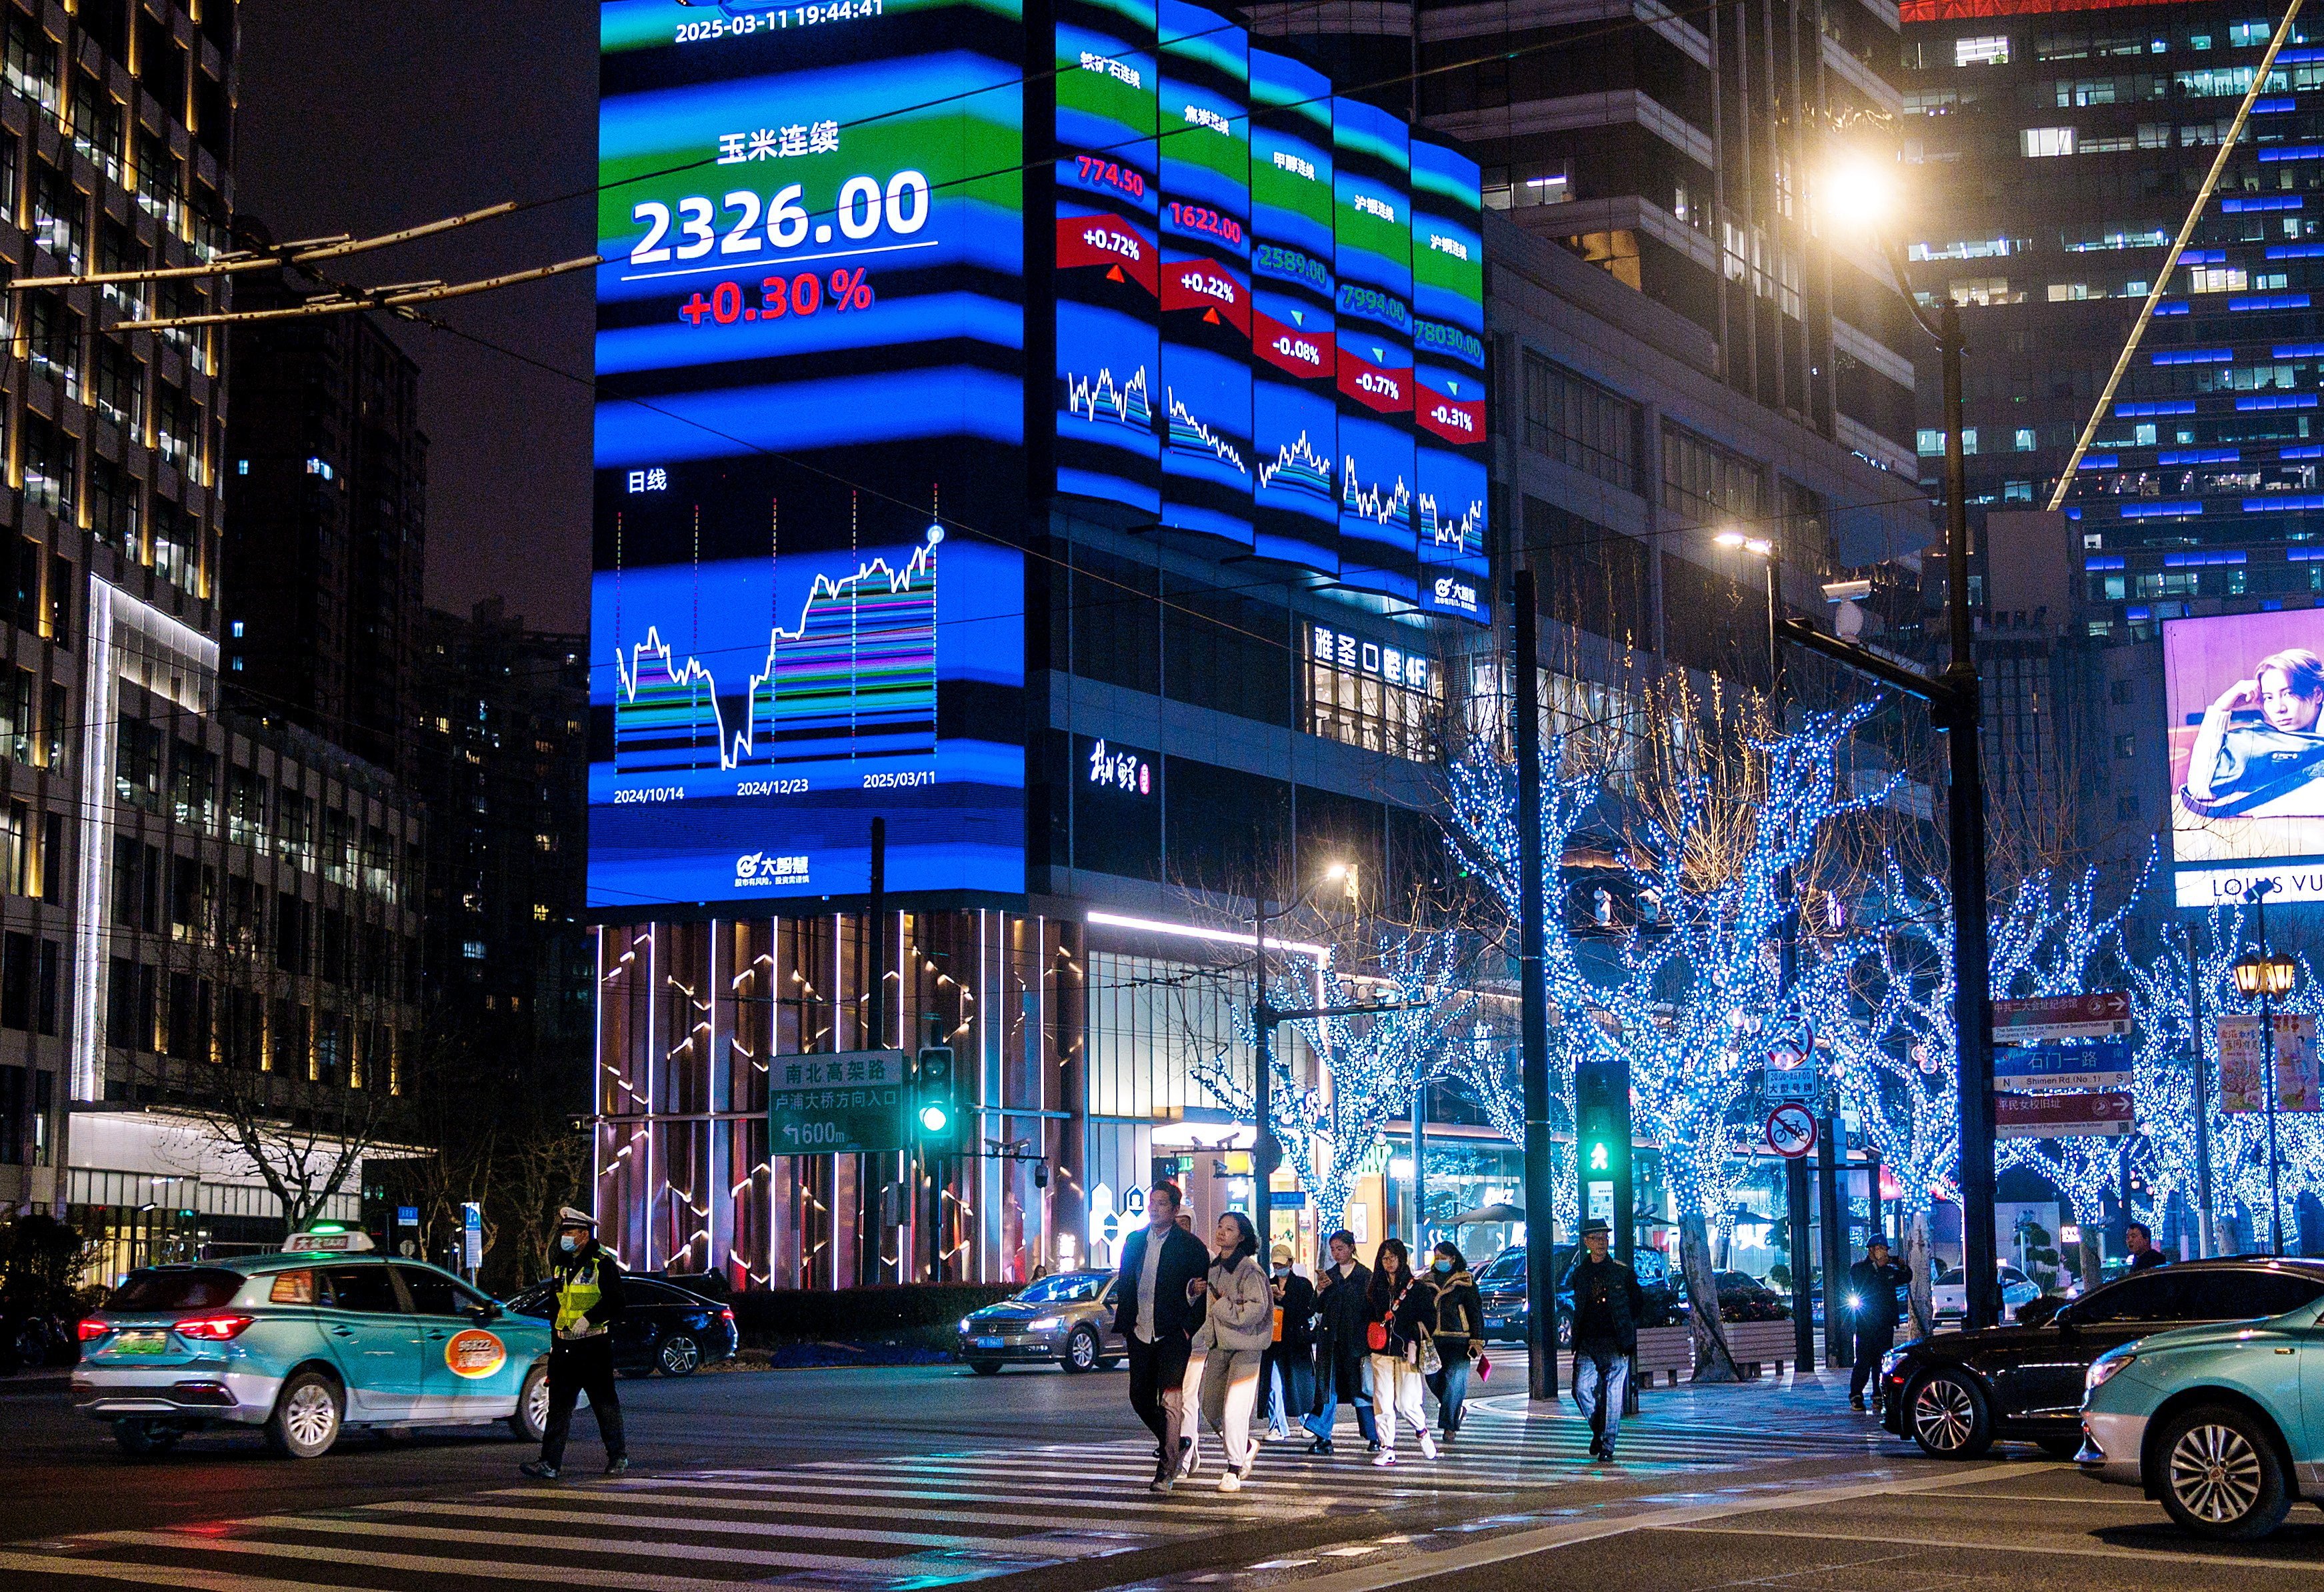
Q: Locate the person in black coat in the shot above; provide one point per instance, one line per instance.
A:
(1340, 1352)
(1157, 1318)
(1872, 1284)
(1287, 1372)
(1608, 1305)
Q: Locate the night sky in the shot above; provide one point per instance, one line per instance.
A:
(366, 118)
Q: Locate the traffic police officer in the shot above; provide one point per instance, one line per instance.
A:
(588, 1284)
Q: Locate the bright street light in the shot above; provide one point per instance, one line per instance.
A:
(1858, 192)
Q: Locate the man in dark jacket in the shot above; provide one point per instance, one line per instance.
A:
(2138, 1239)
(1872, 1284)
(1287, 1371)
(1607, 1306)
(1341, 1352)
(1158, 1320)
(589, 1292)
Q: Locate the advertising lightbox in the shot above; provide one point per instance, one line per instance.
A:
(2245, 694)
(805, 612)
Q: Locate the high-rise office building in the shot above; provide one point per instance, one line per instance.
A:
(325, 523)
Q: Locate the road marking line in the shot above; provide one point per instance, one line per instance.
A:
(1519, 1544)
(2048, 1498)
(2144, 1555)
(628, 1581)
(155, 1575)
(731, 1527)
(575, 1544)
(1040, 1504)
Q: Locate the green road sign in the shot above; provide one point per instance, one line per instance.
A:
(844, 1102)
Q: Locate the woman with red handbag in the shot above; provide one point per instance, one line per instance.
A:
(1393, 1334)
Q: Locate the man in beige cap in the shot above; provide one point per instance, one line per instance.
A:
(1287, 1372)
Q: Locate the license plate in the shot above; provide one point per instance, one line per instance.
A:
(1492, 1321)
(140, 1342)
(988, 1343)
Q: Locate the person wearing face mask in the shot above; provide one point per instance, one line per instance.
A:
(1287, 1377)
(1455, 1317)
(588, 1288)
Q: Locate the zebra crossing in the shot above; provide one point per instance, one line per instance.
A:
(892, 1523)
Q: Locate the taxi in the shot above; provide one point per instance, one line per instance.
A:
(324, 1336)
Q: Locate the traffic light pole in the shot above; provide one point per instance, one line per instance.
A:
(1532, 995)
(1839, 1341)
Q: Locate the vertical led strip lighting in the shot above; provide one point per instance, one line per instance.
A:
(1295, 421)
(1206, 222)
(1108, 376)
(1448, 360)
(1371, 159)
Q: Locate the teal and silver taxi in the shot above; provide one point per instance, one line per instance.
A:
(324, 1336)
(2223, 1424)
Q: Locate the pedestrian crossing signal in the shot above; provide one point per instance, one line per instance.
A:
(936, 1109)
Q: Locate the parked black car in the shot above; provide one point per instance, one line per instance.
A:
(665, 1329)
(1957, 1392)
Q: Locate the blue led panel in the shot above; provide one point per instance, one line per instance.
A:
(1371, 159)
(1295, 418)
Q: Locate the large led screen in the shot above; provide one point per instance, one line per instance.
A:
(1295, 423)
(1448, 363)
(2245, 697)
(806, 612)
(1371, 157)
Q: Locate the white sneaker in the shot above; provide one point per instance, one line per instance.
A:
(1230, 1483)
(1427, 1447)
(1384, 1458)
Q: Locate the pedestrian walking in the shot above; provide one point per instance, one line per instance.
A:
(1393, 1333)
(2138, 1239)
(1872, 1284)
(1237, 1323)
(1607, 1307)
(588, 1291)
(1455, 1318)
(1287, 1373)
(1339, 1299)
(1156, 1319)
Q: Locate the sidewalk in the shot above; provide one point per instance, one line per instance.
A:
(1816, 1399)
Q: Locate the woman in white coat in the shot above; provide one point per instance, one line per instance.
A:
(1237, 1324)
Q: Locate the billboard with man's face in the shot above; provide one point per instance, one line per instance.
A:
(2245, 698)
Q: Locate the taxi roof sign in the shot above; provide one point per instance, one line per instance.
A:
(327, 1239)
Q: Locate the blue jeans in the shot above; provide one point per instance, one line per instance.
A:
(1451, 1386)
(1601, 1381)
(1328, 1409)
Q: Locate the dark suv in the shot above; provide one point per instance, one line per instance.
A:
(1501, 1289)
(1956, 1392)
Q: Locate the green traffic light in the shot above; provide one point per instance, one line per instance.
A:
(935, 1119)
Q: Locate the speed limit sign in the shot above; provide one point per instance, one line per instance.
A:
(1790, 1131)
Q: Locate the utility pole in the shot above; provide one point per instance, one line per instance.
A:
(1954, 706)
(1419, 1164)
(1532, 995)
(2207, 1243)
(1264, 1152)
(1839, 1339)
(1795, 1218)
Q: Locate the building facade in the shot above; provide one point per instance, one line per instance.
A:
(327, 524)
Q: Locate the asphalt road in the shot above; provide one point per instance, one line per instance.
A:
(883, 1480)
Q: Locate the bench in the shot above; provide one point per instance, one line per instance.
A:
(1664, 1348)
(1756, 1344)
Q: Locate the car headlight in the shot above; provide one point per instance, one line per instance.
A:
(2103, 1370)
(964, 1326)
(1046, 1324)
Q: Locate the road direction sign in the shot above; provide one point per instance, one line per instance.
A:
(1791, 1074)
(1791, 1130)
(2103, 1065)
(2106, 1113)
(839, 1102)
(2061, 1017)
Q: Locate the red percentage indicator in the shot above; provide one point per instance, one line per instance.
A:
(779, 296)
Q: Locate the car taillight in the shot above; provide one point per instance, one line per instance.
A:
(214, 1329)
(726, 1315)
(92, 1328)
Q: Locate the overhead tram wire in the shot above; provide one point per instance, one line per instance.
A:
(298, 253)
(2171, 260)
(392, 298)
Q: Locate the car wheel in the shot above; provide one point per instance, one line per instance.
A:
(679, 1356)
(307, 1416)
(531, 1423)
(985, 1367)
(145, 1437)
(1950, 1417)
(2220, 1477)
(1081, 1351)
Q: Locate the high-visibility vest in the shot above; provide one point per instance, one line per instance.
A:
(577, 1294)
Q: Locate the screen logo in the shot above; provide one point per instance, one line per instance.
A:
(764, 871)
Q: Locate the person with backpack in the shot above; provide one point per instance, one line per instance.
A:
(1455, 1320)
(1394, 1336)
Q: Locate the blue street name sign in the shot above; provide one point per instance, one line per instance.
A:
(2105, 1064)
(1286, 1199)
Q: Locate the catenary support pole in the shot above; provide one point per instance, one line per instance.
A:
(1533, 996)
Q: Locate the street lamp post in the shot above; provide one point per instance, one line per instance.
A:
(2268, 976)
(1265, 1153)
(1954, 706)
